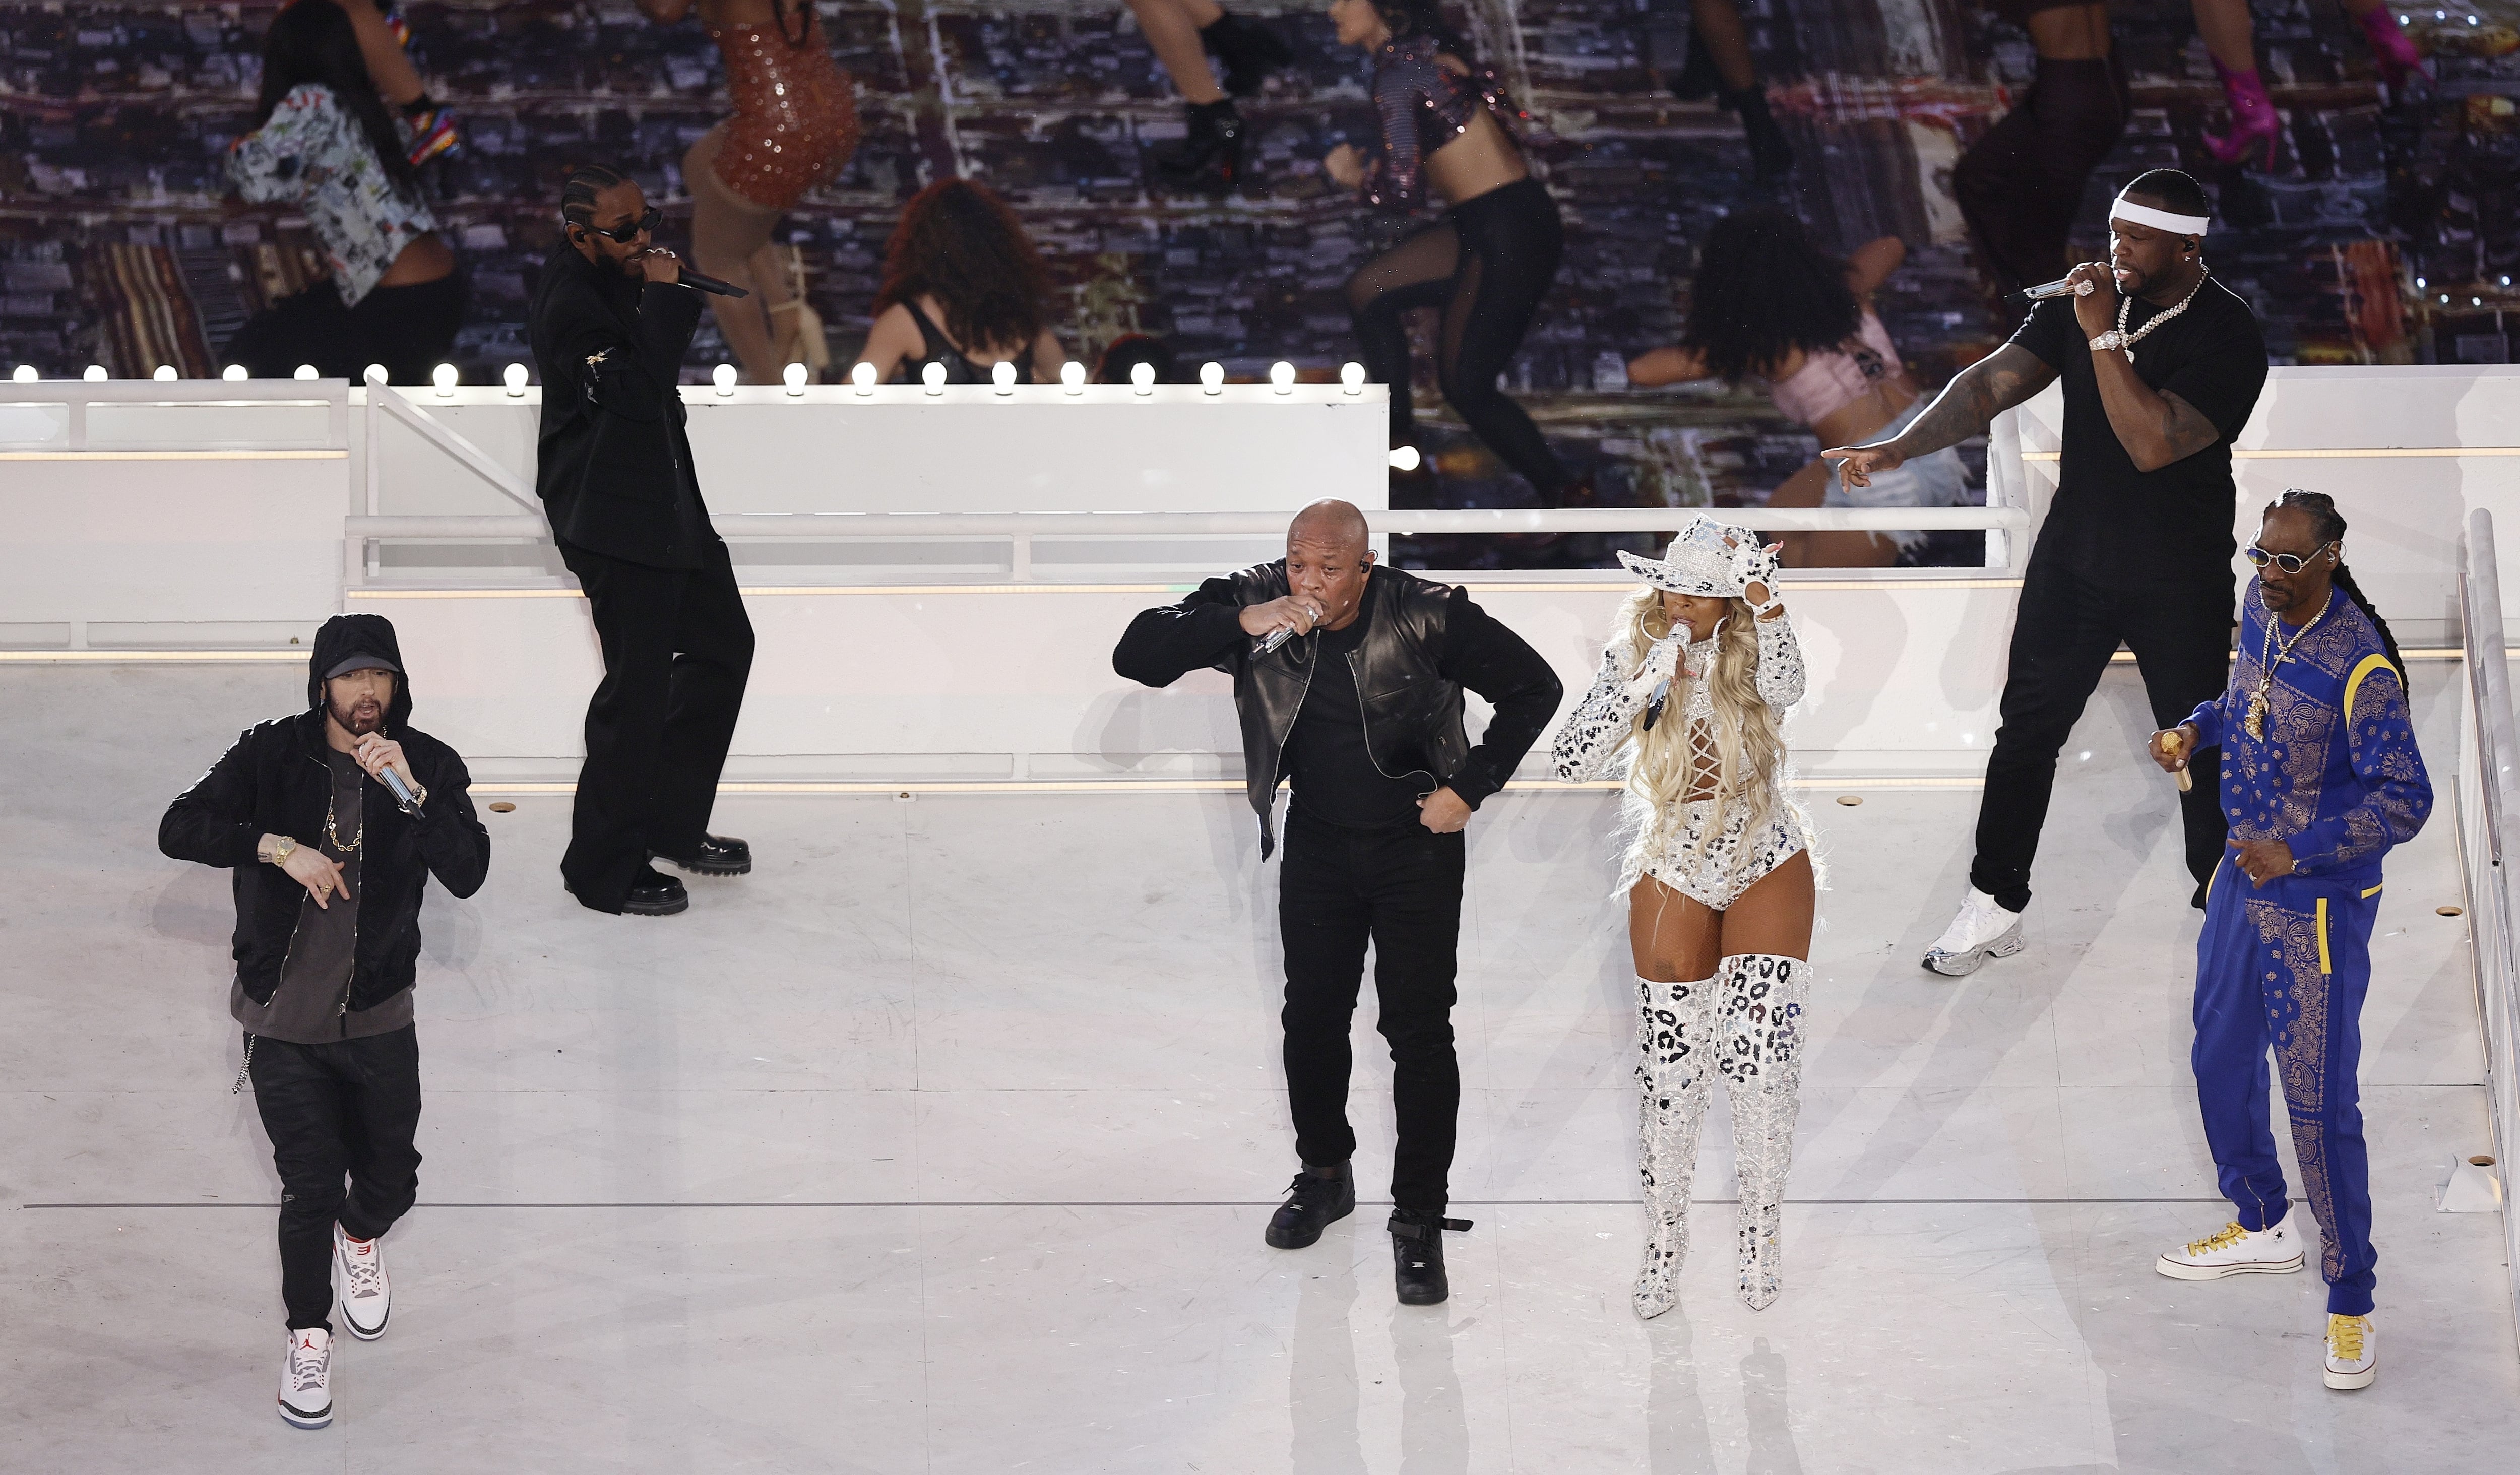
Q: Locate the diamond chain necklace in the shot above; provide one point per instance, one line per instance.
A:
(2127, 341)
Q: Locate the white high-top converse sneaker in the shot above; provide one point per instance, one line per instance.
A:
(1983, 929)
(367, 1297)
(306, 1379)
(2234, 1251)
(2353, 1352)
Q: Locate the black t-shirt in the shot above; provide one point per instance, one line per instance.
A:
(1333, 774)
(2120, 526)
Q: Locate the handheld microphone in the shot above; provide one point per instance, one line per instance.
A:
(710, 285)
(401, 791)
(2058, 288)
(1653, 708)
(1273, 638)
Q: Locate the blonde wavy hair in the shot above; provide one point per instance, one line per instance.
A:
(1749, 746)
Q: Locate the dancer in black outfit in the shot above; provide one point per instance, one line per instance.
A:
(1362, 710)
(2137, 547)
(330, 866)
(1485, 266)
(2020, 186)
(609, 328)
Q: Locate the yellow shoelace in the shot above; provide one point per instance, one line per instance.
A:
(2345, 1335)
(2221, 1239)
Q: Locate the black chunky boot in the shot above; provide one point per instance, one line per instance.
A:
(1210, 160)
(1321, 1195)
(1249, 51)
(1417, 1255)
(1770, 156)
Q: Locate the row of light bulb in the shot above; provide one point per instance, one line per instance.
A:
(1071, 377)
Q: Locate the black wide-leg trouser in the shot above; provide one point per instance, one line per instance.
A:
(676, 653)
(1401, 889)
(341, 1112)
(2063, 634)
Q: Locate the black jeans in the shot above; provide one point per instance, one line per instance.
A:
(1487, 264)
(676, 653)
(2062, 637)
(346, 1108)
(1402, 888)
(2020, 186)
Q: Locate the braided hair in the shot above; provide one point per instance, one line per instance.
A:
(2328, 526)
(577, 194)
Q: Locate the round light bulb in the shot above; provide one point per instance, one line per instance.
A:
(306, 372)
(93, 373)
(25, 373)
(1211, 376)
(1404, 457)
(514, 376)
(376, 375)
(165, 374)
(933, 377)
(1351, 377)
(723, 376)
(794, 377)
(863, 375)
(233, 373)
(1003, 374)
(444, 378)
(1282, 375)
(1071, 377)
(1142, 378)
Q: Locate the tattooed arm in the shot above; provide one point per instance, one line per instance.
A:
(1978, 395)
(2156, 426)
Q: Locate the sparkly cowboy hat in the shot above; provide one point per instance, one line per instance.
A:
(1704, 559)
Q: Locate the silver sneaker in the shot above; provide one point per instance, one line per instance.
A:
(1983, 929)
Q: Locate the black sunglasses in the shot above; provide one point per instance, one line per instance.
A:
(624, 235)
(2259, 558)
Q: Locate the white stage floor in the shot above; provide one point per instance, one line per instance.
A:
(943, 1143)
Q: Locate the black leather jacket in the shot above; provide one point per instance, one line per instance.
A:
(1426, 643)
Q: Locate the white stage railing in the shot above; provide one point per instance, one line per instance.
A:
(2488, 777)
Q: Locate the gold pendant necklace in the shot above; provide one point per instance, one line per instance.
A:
(2256, 720)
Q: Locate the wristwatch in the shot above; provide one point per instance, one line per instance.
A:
(2109, 339)
(282, 849)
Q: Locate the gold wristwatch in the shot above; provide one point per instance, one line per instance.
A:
(282, 849)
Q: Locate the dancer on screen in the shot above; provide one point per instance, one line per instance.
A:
(1693, 690)
(2320, 778)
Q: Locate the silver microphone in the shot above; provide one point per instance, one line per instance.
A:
(401, 791)
(2058, 288)
(1273, 638)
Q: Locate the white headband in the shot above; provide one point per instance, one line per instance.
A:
(2123, 209)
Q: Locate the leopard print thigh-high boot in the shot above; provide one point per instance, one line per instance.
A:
(1674, 1068)
(1758, 1030)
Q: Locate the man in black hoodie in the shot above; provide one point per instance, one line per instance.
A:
(608, 327)
(329, 863)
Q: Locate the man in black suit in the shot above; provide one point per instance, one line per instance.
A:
(609, 324)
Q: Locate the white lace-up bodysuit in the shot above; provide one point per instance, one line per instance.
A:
(1712, 869)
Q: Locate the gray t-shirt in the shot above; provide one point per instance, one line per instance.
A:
(308, 1006)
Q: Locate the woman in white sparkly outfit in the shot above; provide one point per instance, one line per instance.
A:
(1694, 686)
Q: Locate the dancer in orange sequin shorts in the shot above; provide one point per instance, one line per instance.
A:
(794, 126)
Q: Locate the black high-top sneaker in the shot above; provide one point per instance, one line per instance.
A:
(1248, 50)
(1417, 1255)
(1210, 158)
(1321, 1195)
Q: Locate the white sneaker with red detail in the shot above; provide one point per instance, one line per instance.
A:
(366, 1296)
(1983, 928)
(2353, 1352)
(306, 1379)
(2234, 1251)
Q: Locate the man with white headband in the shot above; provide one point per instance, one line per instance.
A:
(2161, 365)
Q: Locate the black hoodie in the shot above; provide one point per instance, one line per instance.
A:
(275, 781)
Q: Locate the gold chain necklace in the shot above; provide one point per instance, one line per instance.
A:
(2256, 721)
(335, 835)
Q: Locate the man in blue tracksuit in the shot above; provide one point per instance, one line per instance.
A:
(2321, 777)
